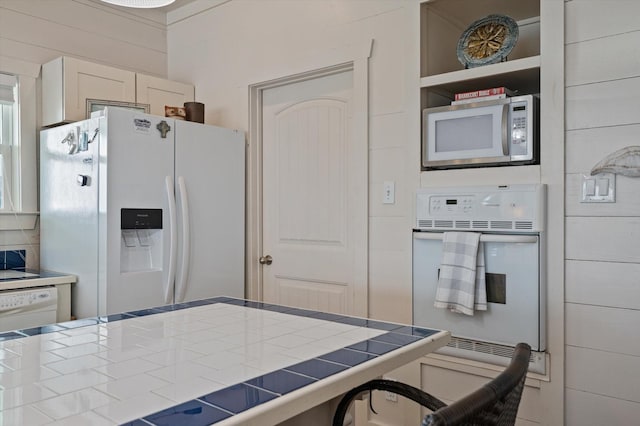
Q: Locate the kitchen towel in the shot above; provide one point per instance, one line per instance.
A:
(461, 283)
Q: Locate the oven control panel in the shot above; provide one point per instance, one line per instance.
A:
(462, 204)
(501, 208)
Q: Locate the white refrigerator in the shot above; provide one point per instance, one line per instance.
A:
(144, 210)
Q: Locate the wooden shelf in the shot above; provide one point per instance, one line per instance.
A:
(508, 67)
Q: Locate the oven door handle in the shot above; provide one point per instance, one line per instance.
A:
(487, 238)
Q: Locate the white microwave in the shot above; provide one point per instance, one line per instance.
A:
(489, 133)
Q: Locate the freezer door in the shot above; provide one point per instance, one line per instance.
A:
(135, 163)
(210, 163)
(69, 209)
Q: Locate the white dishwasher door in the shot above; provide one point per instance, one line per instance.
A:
(29, 307)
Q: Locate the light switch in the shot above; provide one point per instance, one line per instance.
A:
(590, 187)
(389, 196)
(600, 188)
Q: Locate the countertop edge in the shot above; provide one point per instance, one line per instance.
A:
(19, 284)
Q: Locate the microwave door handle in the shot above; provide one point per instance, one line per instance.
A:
(505, 129)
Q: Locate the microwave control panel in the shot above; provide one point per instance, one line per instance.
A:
(521, 136)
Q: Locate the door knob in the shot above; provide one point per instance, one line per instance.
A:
(266, 260)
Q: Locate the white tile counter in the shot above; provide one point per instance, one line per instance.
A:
(218, 361)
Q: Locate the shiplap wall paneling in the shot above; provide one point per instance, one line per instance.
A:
(583, 66)
(603, 238)
(592, 19)
(585, 147)
(41, 30)
(611, 103)
(602, 294)
(611, 284)
(604, 372)
(603, 328)
(584, 408)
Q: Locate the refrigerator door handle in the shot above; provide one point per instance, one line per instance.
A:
(181, 283)
(171, 275)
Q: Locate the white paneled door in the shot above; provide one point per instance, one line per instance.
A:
(314, 193)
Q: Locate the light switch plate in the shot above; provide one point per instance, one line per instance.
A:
(600, 188)
(389, 196)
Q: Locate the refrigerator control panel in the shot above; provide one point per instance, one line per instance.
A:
(141, 219)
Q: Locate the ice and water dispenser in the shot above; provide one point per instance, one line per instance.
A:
(141, 242)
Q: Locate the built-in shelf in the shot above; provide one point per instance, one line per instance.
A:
(524, 65)
(442, 76)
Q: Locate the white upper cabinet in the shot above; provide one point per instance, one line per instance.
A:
(158, 92)
(67, 83)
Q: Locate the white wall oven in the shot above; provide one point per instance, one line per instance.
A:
(510, 221)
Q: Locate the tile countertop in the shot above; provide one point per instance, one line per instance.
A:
(13, 279)
(220, 361)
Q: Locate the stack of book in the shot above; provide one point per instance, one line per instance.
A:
(481, 95)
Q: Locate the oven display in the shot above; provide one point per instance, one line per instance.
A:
(447, 205)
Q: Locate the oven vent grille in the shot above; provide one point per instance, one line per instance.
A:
(444, 224)
(491, 353)
(501, 224)
(476, 224)
(524, 225)
(483, 347)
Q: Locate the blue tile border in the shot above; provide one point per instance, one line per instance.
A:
(238, 398)
(221, 404)
(191, 413)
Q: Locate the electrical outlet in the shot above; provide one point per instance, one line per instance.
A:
(390, 396)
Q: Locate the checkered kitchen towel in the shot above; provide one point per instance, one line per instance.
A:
(461, 284)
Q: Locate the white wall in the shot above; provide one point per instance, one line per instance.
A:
(36, 31)
(40, 30)
(227, 48)
(602, 249)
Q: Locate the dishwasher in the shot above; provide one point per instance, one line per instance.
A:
(28, 307)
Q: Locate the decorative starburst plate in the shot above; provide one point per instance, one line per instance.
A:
(487, 41)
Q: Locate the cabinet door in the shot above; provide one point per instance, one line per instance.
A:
(158, 92)
(67, 83)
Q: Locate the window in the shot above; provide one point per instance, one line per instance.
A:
(18, 141)
(9, 114)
